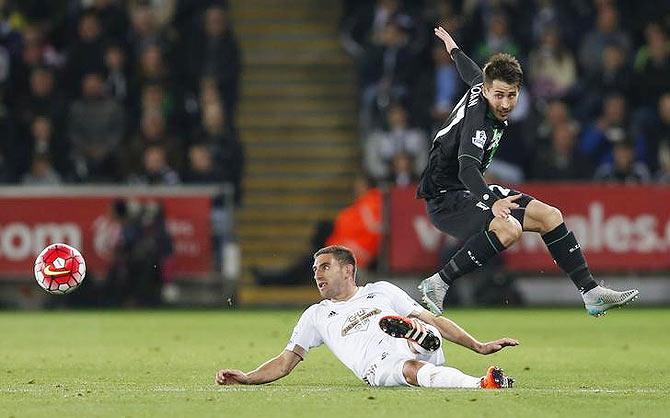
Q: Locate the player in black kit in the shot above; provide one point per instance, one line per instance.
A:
(490, 218)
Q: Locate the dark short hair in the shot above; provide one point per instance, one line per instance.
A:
(503, 67)
(342, 254)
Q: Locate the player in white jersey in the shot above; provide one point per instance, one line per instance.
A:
(378, 331)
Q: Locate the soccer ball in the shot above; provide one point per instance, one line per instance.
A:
(59, 269)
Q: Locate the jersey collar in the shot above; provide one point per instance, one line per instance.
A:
(496, 122)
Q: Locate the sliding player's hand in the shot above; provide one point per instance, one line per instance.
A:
(497, 345)
(446, 38)
(231, 377)
(503, 208)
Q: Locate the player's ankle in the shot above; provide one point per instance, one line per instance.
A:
(445, 277)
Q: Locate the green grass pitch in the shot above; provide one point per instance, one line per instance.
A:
(150, 364)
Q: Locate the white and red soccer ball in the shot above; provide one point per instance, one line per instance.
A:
(59, 269)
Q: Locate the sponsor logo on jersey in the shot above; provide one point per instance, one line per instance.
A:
(479, 139)
(359, 321)
(497, 135)
(370, 296)
(332, 313)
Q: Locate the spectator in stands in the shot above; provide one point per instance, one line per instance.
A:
(42, 99)
(155, 98)
(5, 69)
(201, 168)
(145, 30)
(34, 53)
(611, 127)
(113, 18)
(152, 131)
(157, 169)
(11, 20)
(652, 64)
(214, 52)
(659, 134)
(386, 74)
(152, 67)
(498, 39)
(6, 172)
(42, 138)
(366, 25)
(96, 127)
(41, 173)
(624, 168)
(118, 82)
(552, 67)
(86, 53)
(8, 134)
(403, 171)
(445, 13)
(382, 146)
(547, 17)
(607, 32)
(663, 174)
(562, 161)
(614, 76)
(554, 114)
(226, 147)
(162, 10)
(208, 95)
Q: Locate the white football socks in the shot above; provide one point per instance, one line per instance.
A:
(432, 376)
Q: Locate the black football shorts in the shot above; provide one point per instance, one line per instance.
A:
(460, 214)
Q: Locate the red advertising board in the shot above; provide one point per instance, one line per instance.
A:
(619, 228)
(29, 223)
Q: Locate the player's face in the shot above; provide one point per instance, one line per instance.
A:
(332, 278)
(502, 98)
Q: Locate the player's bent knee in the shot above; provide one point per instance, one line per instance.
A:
(508, 230)
(410, 370)
(552, 218)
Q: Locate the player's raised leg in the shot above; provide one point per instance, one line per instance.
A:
(476, 252)
(566, 252)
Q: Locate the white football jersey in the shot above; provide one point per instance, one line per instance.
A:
(350, 329)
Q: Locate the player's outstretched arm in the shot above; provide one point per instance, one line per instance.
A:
(271, 370)
(454, 333)
(467, 69)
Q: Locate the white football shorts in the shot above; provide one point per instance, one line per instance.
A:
(386, 369)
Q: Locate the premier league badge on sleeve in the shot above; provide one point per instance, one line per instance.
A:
(479, 139)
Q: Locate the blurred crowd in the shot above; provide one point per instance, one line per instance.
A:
(595, 103)
(118, 91)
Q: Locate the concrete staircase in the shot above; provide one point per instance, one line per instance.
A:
(297, 120)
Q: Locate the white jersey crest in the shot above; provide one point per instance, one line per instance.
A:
(350, 329)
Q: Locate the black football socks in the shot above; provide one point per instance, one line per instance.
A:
(568, 256)
(476, 252)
